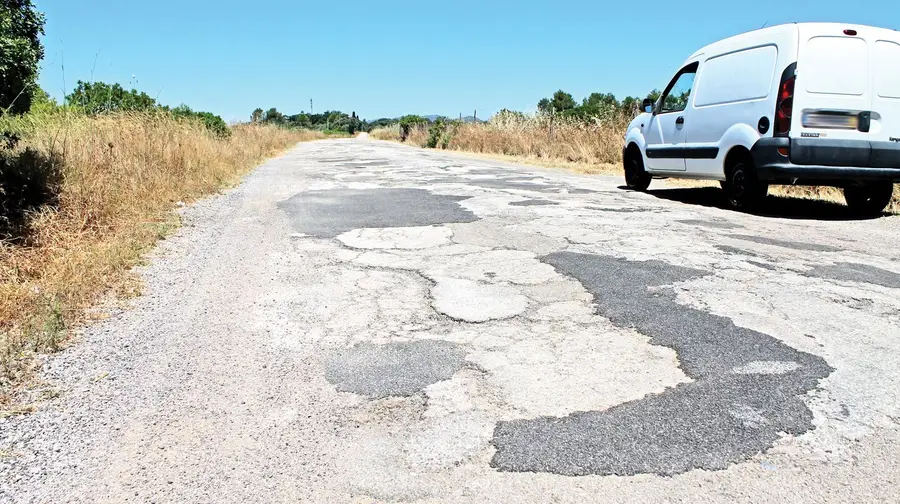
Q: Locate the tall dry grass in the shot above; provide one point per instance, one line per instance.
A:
(121, 177)
(538, 137)
(593, 146)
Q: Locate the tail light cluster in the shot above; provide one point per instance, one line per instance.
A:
(784, 107)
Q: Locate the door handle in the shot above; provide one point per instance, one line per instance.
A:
(680, 120)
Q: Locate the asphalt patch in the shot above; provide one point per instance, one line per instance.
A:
(329, 213)
(533, 202)
(365, 164)
(728, 249)
(621, 209)
(725, 416)
(394, 369)
(503, 182)
(813, 247)
(856, 272)
(710, 224)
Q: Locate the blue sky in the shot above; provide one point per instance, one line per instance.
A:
(388, 58)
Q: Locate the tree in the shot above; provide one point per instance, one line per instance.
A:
(562, 101)
(100, 97)
(41, 101)
(20, 52)
(600, 100)
(338, 121)
(257, 115)
(354, 125)
(631, 103)
(274, 116)
(300, 121)
(544, 105)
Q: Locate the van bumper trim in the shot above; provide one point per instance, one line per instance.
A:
(837, 160)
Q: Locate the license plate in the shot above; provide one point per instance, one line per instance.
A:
(830, 120)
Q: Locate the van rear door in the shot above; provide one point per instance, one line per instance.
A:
(886, 96)
(833, 94)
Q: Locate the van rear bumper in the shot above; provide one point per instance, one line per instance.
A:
(815, 160)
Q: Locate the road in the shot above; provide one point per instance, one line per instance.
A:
(361, 321)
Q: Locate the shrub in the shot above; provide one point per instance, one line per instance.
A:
(211, 121)
(100, 97)
(407, 123)
(440, 132)
(29, 180)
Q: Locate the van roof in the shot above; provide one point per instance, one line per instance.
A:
(774, 31)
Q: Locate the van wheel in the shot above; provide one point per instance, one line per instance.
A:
(743, 190)
(636, 177)
(869, 199)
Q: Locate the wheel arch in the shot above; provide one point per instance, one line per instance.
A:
(634, 138)
(737, 140)
(735, 154)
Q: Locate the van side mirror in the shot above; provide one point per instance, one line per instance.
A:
(648, 105)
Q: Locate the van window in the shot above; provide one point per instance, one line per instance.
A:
(679, 91)
(887, 69)
(834, 65)
(738, 76)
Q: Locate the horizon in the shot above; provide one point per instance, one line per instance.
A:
(388, 61)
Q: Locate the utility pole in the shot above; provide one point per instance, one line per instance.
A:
(310, 107)
(475, 116)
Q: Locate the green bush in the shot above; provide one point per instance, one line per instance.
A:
(211, 121)
(407, 123)
(100, 97)
(440, 132)
(436, 133)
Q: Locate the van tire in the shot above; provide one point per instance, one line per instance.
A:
(869, 199)
(636, 177)
(742, 188)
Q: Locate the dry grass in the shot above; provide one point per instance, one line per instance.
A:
(121, 179)
(540, 137)
(391, 133)
(590, 148)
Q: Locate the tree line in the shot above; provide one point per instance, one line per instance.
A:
(95, 98)
(21, 51)
(329, 121)
(594, 105)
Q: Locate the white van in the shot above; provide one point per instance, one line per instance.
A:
(808, 103)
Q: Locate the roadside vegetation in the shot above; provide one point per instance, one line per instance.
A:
(87, 187)
(332, 122)
(584, 137)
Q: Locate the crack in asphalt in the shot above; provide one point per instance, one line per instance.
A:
(726, 416)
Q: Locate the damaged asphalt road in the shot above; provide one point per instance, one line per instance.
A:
(366, 322)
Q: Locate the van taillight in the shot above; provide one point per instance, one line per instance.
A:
(784, 107)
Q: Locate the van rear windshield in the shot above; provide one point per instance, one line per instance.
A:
(835, 65)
